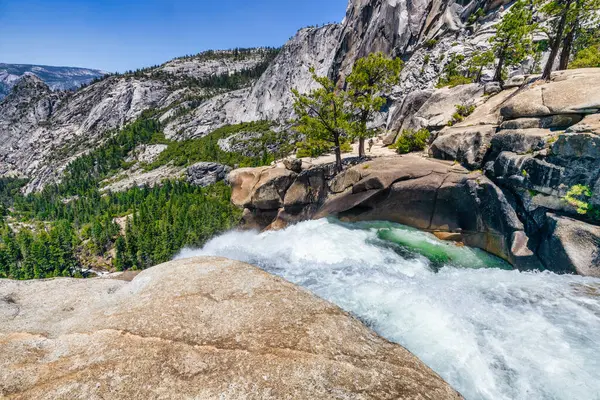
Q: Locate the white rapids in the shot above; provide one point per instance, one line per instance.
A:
(492, 333)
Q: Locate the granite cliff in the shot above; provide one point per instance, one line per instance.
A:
(68, 124)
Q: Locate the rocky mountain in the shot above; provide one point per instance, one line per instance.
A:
(43, 131)
(418, 31)
(57, 78)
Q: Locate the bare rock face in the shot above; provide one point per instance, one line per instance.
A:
(213, 63)
(537, 143)
(206, 173)
(468, 145)
(260, 188)
(270, 98)
(392, 27)
(572, 245)
(397, 28)
(440, 107)
(202, 328)
(569, 92)
(76, 123)
(214, 113)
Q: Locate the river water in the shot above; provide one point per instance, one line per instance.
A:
(491, 332)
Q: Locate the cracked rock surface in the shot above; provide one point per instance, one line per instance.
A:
(202, 328)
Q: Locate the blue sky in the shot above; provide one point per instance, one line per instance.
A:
(117, 35)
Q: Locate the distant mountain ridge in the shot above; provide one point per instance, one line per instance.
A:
(57, 78)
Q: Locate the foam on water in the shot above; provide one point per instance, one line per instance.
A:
(492, 333)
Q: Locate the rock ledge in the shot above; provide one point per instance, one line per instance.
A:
(202, 328)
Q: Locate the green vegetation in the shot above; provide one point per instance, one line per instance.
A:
(473, 18)
(587, 58)
(478, 61)
(322, 116)
(452, 75)
(570, 22)
(513, 40)
(571, 25)
(315, 147)
(329, 117)
(207, 149)
(430, 44)
(462, 112)
(370, 78)
(411, 140)
(161, 221)
(68, 227)
(578, 197)
(28, 255)
(9, 189)
(87, 171)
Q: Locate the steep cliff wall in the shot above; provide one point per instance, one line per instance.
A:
(270, 98)
(423, 32)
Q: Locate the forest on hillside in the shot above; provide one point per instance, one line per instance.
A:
(73, 225)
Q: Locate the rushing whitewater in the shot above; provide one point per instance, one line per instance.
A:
(491, 332)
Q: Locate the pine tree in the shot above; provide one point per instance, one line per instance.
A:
(513, 39)
(121, 254)
(371, 77)
(322, 115)
(568, 19)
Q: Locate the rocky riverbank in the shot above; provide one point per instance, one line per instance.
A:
(500, 180)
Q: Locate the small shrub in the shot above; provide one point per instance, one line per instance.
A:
(410, 141)
(587, 58)
(453, 80)
(346, 147)
(475, 16)
(430, 44)
(453, 72)
(313, 148)
(578, 197)
(462, 112)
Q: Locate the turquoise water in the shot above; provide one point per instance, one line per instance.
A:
(411, 241)
(493, 333)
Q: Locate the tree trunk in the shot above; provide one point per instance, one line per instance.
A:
(568, 43)
(566, 51)
(364, 118)
(338, 152)
(498, 74)
(557, 41)
(361, 148)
